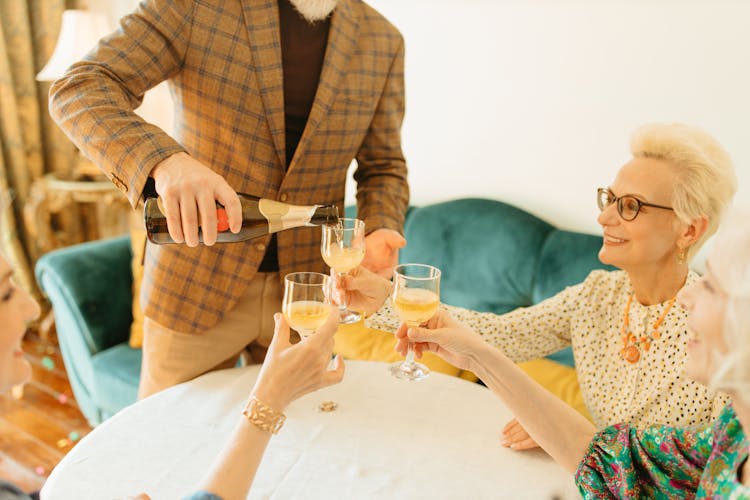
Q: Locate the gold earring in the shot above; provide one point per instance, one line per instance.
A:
(681, 256)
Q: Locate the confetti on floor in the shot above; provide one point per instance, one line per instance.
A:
(74, 436)
(48, 363)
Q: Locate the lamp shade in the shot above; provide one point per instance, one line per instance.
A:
(80, 31)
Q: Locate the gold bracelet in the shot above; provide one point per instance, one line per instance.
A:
(262, 416)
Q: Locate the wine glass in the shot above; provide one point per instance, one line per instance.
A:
(416, 298)
(306, 302)
(343, 248)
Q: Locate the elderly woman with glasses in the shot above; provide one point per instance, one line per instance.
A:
(628, 337)
(625, 460)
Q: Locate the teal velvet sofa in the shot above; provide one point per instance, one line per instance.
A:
(494, 256)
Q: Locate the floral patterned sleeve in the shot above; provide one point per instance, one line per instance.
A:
(523, 334)
(658, 462)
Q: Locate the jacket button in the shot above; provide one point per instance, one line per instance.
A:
(283, 197)
(119, 184)
(260, 247)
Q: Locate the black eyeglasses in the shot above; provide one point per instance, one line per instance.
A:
(627, 206)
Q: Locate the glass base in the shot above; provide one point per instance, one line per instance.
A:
(409, 371)
(347, 317)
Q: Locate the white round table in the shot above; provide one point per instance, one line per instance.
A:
(389, 438)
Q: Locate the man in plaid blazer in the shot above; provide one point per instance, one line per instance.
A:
(273, 98)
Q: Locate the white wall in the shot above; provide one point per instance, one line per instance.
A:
(532, 101)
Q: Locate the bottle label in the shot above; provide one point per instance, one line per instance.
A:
(282, 216)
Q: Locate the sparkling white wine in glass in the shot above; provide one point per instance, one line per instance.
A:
(342, 260)
(306, 315)
(416, 305)
(342, 247)
(306, 302)
(416, 298)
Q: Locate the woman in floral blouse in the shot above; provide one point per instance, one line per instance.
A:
(628, 336)
(622, 461)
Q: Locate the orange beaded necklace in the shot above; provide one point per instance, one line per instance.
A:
(630, 351)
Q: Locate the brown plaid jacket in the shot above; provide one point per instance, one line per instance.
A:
(223, 60)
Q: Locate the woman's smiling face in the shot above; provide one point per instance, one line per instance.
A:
(649, 241)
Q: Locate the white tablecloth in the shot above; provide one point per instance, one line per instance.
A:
(389, 438)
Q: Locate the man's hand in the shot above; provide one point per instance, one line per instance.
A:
(381, 254)
(189, 190)
(363, 290)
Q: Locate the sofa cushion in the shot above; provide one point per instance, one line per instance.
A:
(488, 251)
(116, 374)
(566, 259)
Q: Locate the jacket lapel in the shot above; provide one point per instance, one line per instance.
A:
(342, 37)
(262, 21)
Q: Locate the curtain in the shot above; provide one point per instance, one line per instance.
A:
(31, 145)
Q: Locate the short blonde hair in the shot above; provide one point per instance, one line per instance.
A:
(730, 265)
(706, 181)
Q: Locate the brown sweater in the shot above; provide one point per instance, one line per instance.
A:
(303, 47)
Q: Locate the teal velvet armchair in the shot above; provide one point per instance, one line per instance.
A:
(89, 286)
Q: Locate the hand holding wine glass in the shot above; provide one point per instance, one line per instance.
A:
(382, 251)
(416, 298)
(343, 248)
(363, 289)
(442, 335)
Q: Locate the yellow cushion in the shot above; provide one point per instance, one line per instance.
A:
(138, 245)
(560, 380)
(358, 342)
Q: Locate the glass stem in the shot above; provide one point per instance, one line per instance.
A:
(409, 360)
(344, 303)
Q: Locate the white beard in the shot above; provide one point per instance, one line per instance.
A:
(314, 10)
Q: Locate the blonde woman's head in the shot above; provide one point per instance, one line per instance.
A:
(705, 181)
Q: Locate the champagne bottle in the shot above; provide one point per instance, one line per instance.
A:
(260, 216)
